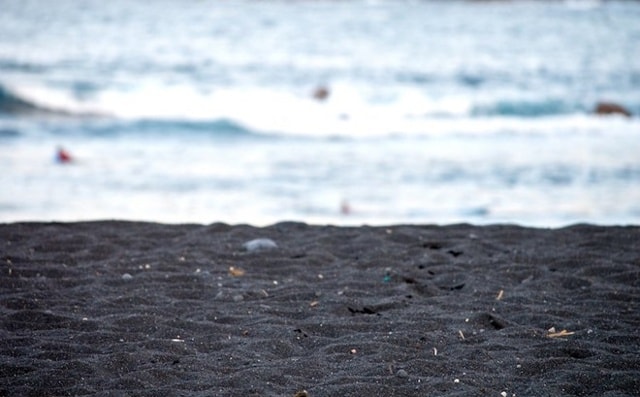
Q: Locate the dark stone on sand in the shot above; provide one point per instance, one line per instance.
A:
(317, 313)
(609, 108)
(402, 373)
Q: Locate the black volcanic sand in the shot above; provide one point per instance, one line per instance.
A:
(142, 309)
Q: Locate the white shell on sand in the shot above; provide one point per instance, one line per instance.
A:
(259, 244)
(127, 276)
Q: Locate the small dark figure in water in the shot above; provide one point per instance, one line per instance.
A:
(321, 93)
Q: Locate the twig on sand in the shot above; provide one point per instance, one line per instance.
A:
(554, 334)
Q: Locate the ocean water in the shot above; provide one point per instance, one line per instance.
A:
(203, 111)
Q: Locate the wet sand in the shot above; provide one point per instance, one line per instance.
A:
(143, 309)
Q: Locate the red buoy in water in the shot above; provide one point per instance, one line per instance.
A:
(63, 157)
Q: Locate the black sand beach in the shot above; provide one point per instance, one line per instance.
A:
(142, 309)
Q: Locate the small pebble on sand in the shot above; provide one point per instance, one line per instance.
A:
(238, 298)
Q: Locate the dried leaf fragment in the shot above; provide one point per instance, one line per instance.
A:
(236, 271)
(553, 334)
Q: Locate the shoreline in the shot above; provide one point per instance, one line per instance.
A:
(147, 309)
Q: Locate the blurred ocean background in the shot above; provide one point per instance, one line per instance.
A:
(433, 111)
